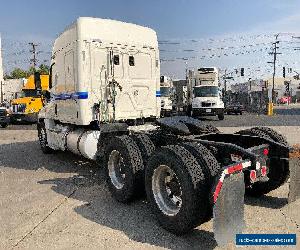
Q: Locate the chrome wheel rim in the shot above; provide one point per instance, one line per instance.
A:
(116, 169)
(167, 190)
(42, 137)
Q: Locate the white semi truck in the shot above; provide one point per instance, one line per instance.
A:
(166, 96)
(104, 85)
(204, 93)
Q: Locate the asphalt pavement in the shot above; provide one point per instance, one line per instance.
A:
(61, 201)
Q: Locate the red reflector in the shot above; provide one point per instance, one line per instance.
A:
(266, 151)
(263, 170)
(253, 175)
(217, 191)
(235, 168)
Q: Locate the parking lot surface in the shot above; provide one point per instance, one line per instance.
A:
(61, 201)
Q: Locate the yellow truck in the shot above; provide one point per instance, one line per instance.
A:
(26, 107)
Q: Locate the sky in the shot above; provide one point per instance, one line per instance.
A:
(244, 29)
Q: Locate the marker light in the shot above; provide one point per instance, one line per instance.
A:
(266, 151)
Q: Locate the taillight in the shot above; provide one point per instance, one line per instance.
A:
(252, 175)
(263, 171)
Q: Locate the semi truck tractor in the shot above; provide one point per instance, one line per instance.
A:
(103, 104)
(4, 115)
(26, 107)
(166, 96)
(204, 93)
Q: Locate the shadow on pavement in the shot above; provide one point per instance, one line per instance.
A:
(88, 185)
(266, 201)
(285, 111)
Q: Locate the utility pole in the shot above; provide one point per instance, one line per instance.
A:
(1, 96)
(34, 53)
(1, 74)
(274, 53)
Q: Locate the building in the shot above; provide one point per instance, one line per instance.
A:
(8, 88)
(1, 74)
(253, 95)
(280, 87)
(11, 88)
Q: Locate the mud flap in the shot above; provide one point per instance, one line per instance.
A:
(294, 166)
(228, 210)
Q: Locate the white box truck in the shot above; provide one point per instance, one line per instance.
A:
(104, 84)
(204, 93)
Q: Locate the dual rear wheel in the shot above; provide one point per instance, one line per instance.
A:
(174, 178)
(278, 168)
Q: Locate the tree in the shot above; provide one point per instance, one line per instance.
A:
(44, 69)
(30, 71)
(18, 73)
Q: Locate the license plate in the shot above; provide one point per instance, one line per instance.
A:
(208, 110)
(19, 119)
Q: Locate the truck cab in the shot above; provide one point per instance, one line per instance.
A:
(26, 107)
(205, 95)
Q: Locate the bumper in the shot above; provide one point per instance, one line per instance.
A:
(31, 118)
(166, 112)
(207, 111)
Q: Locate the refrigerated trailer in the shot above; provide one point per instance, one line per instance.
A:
(104, 104)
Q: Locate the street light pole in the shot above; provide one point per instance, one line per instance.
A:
(1, 90)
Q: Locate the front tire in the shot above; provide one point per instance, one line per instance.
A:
(176, 189)
(42, 134)
(221, 116)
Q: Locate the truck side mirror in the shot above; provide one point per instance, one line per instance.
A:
(50, 75)
(46, 94)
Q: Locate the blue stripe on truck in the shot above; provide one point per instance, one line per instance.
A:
(158, 93)
(70, 96)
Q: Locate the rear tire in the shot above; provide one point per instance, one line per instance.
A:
(42, 134)
(124, 168)
(145, 145)
(209, 165)
(275, 136)
(176, 189)
(205, 159)
(278, 170)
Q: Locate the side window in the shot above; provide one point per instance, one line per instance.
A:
(116, 60)
(131, 60)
